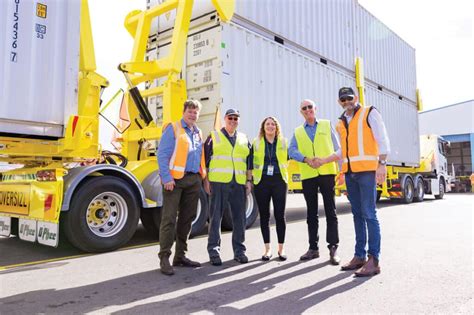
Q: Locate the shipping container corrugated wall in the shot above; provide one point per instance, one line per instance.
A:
(263, 78)
(238, 68)
(389, 61)
(335, 30)
(39, 61)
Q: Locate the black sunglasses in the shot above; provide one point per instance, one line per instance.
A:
(235, 118)
(307, 107)
(348, 98)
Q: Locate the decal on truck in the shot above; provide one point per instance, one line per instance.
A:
(15, 199)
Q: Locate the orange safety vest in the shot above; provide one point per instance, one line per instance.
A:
(359, 148)
(180, 153)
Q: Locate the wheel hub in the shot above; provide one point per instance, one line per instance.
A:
(107, 214)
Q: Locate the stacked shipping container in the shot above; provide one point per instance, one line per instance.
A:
(276, 53)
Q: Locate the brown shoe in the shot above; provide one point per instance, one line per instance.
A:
(354, 264)
(333, 257)
(310, 254)
(185, 262)
(165, 266)
(370, 268)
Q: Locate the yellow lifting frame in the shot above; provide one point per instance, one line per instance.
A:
(173, 90)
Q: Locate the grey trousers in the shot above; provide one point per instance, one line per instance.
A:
(224, 194)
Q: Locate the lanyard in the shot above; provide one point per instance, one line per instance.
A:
(270, 153)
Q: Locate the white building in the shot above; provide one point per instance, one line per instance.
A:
(456, 124)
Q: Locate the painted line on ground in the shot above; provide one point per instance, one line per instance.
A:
(44, 261)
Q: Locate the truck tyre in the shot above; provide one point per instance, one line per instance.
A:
(441, 189)
(151, 220)
(419, 189)
(251, 213)
(202, 215)
(408, 190)
(103, 215)
(379, 195)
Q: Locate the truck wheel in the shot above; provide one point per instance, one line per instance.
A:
(408, 190)
(379, 195)
(419, 190)
(103, 215)
(251, 213)
(151, 220)
(202, 215)
(441, 189)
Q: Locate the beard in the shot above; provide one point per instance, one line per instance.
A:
(349, 106)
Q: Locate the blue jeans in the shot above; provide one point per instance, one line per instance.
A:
(361, 188)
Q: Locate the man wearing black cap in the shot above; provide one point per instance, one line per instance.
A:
(228, 156)
(365, 146)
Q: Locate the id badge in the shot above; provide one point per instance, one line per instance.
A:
(270, 170)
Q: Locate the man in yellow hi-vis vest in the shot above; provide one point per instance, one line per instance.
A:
(365, 146)
(182, 168)
(229, 161)
(315, 146)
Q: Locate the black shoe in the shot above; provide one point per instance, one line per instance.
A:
(185, 262)
(165, 266)
(267, 257)
(333, 257)
(310, 254)
(215, 260)
(282, 257)
(241, 259)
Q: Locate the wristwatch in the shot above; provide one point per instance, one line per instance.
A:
(383, 162)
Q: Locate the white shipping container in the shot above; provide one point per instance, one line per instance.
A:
(232, 67)
(39, 61)
(336, 30)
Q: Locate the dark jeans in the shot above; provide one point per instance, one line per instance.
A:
(361, 189)
(181, 203)
(325, 184)
(223, 194)
(272, 188)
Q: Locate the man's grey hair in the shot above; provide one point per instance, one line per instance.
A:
(306, 102)
(192, 104)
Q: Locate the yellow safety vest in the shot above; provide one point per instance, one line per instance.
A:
(259, 158)
(227, 160)
(321, 147)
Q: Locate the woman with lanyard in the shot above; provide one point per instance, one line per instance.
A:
(270, 177)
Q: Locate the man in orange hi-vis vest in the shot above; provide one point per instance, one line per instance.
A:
(365, 146)
(182, 168)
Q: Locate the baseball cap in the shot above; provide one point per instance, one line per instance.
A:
(346, 91)
(232, 112)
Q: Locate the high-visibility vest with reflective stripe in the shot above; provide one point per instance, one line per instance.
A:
(179, 157)
(359, 148)
(228, 160)
(259, 153)
(321, 147)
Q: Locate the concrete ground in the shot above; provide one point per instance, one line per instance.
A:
(427, 251)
